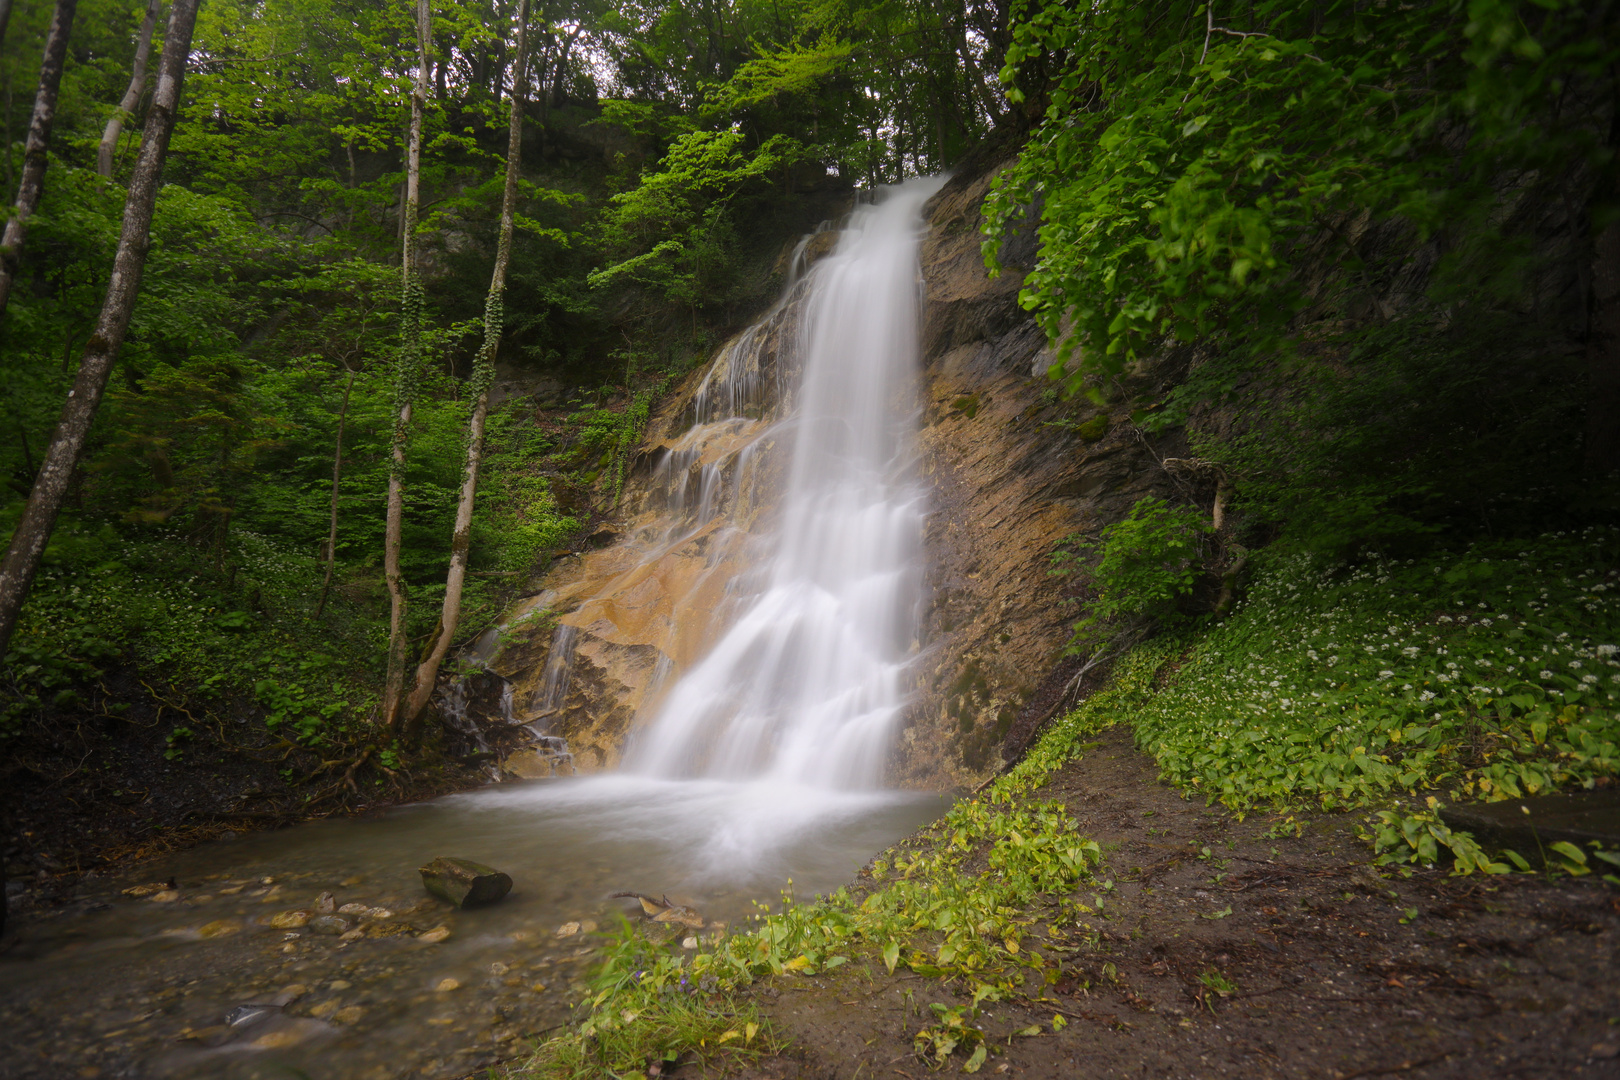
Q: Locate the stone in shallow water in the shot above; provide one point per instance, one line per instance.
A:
(332, 925)
(463, 882)
(1527, 825)
(289, 920)
(326, 903)
(434, 936)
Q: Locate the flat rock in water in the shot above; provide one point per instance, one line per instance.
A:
(463, 882)
(1526, 825)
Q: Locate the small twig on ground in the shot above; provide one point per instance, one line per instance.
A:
(1405, 1066)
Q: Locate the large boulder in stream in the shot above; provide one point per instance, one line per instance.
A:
(464, 883)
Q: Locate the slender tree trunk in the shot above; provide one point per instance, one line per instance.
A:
(132, 96)
(981, 91)
(1603, 357)
(5, 19)
(62, 456)
(409, 372)
(39, 138)
(427, 672)
(337, 480)
(560, 71)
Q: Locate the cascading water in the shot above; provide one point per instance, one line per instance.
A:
(808, 681)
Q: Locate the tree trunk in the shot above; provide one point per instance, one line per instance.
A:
(62, 456)
(337, 478)
(409, 372)
(427, 672)
(39, 139)
(1603, 357)
(132, 96)
(560, 71)
(5, 19)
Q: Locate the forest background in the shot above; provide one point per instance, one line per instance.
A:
(670, 150)
(1375, 249)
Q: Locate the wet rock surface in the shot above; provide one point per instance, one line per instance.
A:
(1528, 825)
(464, 883)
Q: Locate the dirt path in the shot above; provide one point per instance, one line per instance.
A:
(1338, 973)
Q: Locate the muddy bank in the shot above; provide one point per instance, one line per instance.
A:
(100, 791)
(1221, 950)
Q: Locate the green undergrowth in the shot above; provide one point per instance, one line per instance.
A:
(194, 637)
(1391, 685)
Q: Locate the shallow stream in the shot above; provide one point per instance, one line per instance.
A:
(165, 985)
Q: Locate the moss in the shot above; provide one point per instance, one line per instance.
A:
(1093, 429)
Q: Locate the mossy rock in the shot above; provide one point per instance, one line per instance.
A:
(464, 883)
(1093, 429)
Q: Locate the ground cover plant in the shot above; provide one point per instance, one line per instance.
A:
(1486, 674)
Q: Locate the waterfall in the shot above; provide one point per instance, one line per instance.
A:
(808, 680)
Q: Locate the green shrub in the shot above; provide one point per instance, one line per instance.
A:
(1149, 563)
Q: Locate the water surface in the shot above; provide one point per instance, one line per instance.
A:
(149, 987)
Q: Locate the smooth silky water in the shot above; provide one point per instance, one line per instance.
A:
(761, 764)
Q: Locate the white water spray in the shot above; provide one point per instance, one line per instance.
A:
(808, 682)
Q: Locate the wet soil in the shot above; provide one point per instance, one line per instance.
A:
(1335, 969)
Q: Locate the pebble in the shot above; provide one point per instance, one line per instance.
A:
(434, 936)
(353, 935)
(276, 1040)
(690, 942)
(348, 1015)
(387, 929)
(136, 892)
(352, 909)
(289, 920)
(331, 925)
(498, 968)
(219, 928)
(326, 903)
(166, 896)
(339, 984)
(568, 929)
(444, 986)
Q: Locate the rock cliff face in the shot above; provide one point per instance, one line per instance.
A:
(1010, 473)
